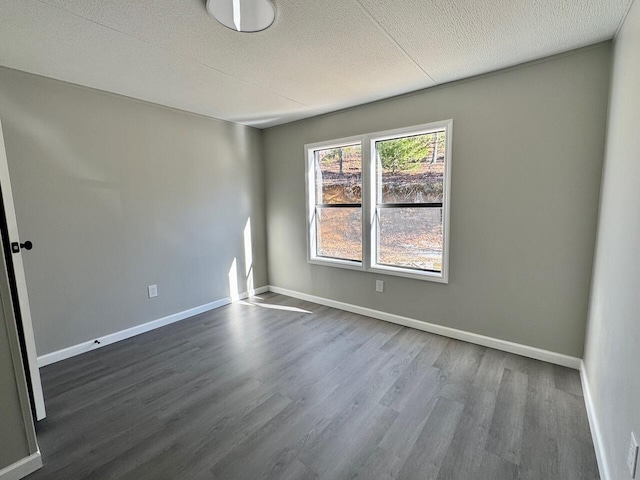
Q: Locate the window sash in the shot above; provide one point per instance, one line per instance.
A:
(315, 188)
(375, 240)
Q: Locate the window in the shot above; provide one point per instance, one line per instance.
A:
(380, 202)
(408, 200)
(335, 183)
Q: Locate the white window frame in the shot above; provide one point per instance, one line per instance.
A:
(312, 256)
(369, 218)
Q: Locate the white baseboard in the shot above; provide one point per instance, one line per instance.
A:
(22, 468)
(598, 444)
(74, 350)
(504, 345)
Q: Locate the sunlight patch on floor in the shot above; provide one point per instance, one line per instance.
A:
(274, 307)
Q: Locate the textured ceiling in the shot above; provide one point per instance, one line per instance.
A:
(318, 56)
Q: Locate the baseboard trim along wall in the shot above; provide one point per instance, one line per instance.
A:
(598, 443)
(80, 348)
(22, 468)
(504, 345)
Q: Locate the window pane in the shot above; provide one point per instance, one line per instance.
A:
(411, 169)
(410, 237)
(338, 173)
(339, 233)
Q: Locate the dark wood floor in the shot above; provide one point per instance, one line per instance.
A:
(277, 388)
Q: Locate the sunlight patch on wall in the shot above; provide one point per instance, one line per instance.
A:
(234, 292)
(248, 256)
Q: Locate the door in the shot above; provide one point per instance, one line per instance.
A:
(23, 316)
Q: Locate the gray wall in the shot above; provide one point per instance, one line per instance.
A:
(612, 353)
(118, 194)
(526, 167)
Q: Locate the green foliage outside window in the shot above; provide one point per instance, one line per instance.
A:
(404, 154)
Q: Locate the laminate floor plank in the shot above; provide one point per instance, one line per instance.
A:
(466, 452)
(505, 433)
(489, 374)
(344, 446)
(430, 449)
(413, 414)
(459, 363)
(566, 381)
(290, 433)
(279, 388)
(380, 465)
(412, 375)
(573, 438)
(496, 468)
(540, 434)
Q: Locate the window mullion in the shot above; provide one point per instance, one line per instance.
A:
(368, 202)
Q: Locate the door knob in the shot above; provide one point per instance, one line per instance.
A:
(15, 246)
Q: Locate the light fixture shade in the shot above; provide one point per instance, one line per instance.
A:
(243, 15)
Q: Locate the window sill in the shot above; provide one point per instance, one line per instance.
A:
(381, 269)
(415, 274)
(334, 262)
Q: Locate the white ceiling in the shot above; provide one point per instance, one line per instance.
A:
(317, 57)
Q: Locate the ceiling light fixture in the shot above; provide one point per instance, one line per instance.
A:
(243, 15)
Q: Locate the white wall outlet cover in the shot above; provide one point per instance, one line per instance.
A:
(153, 291)
(632, 456)
(379, 286)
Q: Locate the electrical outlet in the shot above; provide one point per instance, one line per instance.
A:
(379, 286)
(632, 456)
(153, 291)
